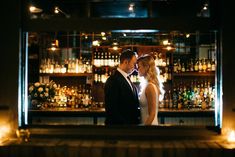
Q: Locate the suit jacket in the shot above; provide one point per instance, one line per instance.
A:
(121, 103)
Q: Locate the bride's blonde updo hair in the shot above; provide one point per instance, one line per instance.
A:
(152, 72)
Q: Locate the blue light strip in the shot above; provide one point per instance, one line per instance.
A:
(136, 31)
(20, 82)
(221, 84)
(26, 81)
(218, 84)
(23, 80)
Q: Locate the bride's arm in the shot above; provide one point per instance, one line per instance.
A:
(151, 95)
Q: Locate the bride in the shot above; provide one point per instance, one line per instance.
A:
(151, 91)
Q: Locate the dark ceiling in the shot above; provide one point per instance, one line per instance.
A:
(119, 8)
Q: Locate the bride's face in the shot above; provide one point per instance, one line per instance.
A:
(141, 69)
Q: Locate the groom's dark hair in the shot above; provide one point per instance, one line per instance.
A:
(127, 55)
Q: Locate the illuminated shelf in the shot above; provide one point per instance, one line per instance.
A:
(65, 74)
(198, 74)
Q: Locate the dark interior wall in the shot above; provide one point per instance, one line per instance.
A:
(9, 51)
(227, 11)
(9, 42)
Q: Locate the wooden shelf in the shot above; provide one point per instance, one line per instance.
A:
(198, 74)
(66, 74)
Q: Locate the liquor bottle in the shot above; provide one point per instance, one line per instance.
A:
(165, 74)
(95, 75)
(183, 68)
(200, 66)
(175, 98)
(98, 57)
(180, 96)
(191, 66)
(66, 62)
(184, 97)
(116, 59)
(179, 67)
(102, 58)
(208, 65)
(166, 101)
(196, 66)
(169, 74)
(175, 70)
(95, 58)
(170, 105)
(187, 66)
(112, 60)
(167, 61)
(190, 96)
(204, 65)
(108, 58)
(213, 66)
(105, 59)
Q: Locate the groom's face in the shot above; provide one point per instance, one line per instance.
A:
(131, 64)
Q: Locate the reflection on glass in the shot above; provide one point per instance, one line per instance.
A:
(79, 68)
(118, 9)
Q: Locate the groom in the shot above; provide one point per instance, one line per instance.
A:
(121, 98)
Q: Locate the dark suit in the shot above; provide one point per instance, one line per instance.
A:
(121, 103)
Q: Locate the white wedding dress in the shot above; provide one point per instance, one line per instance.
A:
(144, 105)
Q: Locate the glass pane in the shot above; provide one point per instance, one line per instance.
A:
(119, 9)
(67, 72)
(181, 8)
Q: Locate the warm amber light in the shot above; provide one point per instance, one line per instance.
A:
(131, 7)
(165, 42)
(168, 48)
(115, 48)
(23, 135)
(102, 33)
(57, 43)
(96, 43)
(115, 43)
(4, 131)
(34, 9)
(53, 48)
(231, 136)
(56, 10)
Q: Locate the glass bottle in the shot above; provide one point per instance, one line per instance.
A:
(196, 66)
(213, 66)
(204, 65)
(208, 65)
(200, 66)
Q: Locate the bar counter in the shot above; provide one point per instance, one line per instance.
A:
(96, 113)
(101, 141)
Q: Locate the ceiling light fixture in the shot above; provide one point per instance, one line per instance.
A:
(205, 7)
(131, 7)
(54, 45)
(187, 35)
(96, 43)
(34, 9)
(102, 33)
(57, 10)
